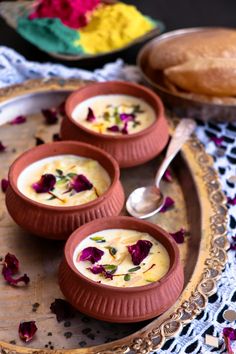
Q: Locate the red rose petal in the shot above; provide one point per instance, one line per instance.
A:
(114, 129)
(11, 262)
(18, 120)
(139, 251)
(231, 201)
(62, 309)
(90, 116)
(229, 335)
(80, 183)
(124, 130)
(91, 254)
(45, 184)
(2, 147)
(4, 184)
(126, 117)
(233, 243)
(99, 269)
(7, 274)
(178, 236)
(50, 116)
(218, 141)
(168, 203)
(27, 330)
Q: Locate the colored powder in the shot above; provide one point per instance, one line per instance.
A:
(112, 27)
(49, 34)
(72, 13)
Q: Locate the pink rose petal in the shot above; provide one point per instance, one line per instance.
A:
(169, 202)
(139, 251)
(178, 236)
(90, 116)
(27, 330)
(91, 254)
(45, 184)
(18, 120)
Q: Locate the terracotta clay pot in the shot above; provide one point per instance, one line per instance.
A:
(116, 304)
(128, 150)
(56, 222)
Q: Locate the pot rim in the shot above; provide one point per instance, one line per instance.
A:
(69, 249)
(159, 109)
(81, 207)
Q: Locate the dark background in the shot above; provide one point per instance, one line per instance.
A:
(174, 13)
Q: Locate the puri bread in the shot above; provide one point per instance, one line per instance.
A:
(208, 76)
(213, 43)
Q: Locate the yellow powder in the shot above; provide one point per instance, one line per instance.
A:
(112, 27)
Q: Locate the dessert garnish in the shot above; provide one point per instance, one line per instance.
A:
(218, 141)
(112, 251)
(2, 147)
(4, 184)
(90, 116)
(45, 184)
(91, 254)
(229, 335)
(18, 120)
(233, 243)
(80, 183)
(178, 236)
(168, 203)
(39, 141)
(27, 330)
(10, 268)
(62, 309)
(139, 251)
(50, 116)
(106, 270)
(98, 239)
(231, 201)
(167, 176)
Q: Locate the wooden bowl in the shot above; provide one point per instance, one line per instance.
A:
(128, 150)
(116, 304)
(58, 222)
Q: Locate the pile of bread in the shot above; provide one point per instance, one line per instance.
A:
(199, 65)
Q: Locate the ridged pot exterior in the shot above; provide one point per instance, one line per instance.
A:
(129, 150)
(58, 225)
(57, 222)
(114, 304)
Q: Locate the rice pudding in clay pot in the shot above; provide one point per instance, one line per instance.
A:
(55, 188)
(125, 119)
(130, 265)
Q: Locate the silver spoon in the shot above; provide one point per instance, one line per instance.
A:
(144, 202)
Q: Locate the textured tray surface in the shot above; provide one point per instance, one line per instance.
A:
(195, 189)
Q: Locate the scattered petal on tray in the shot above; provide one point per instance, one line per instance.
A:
(39, 141)
(56, 137)
(231, 201)
(4, 184)
(217, 140)
(178, 236)
(168, 203)
(18, 120)
(10, 268)
(27, 330)
(2, 147)
(62, 309)
(229, 335)
(50, 116)
(167, 176)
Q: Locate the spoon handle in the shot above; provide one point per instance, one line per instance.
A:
(181, 134)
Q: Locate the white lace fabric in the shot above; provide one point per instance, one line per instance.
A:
(14, 68)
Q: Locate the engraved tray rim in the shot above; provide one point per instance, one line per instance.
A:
(213, 259)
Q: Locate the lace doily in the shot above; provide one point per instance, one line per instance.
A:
(14, 68)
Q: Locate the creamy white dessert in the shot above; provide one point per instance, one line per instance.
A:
(114, 264)
(114, 114)
(70, 180)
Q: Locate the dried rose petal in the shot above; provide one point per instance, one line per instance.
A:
(11, 262)
(217, 141)
(45, 184)
(18, 120)
(99, 269)
(2, 147)
(7, 274)
(50, 116)
(231, 201)
(62, 309)
(4, 184)
(178, 235)
(126, 117)
(80, 183)
(91, 254)
(169, 202)
(233, 243)
(167, 176)
(39, 141)
(139, 251)
(27, 330)
(229, 335)
(114, 129)
(56, 137)
(90, 116)
(124, 130)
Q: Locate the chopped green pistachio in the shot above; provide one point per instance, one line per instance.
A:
(110, 268)
(59, 172)
(150, 280)
(98, 239)
(106, 116)
(71, 175)
(127, 277)
(112, 251)
(134, 269)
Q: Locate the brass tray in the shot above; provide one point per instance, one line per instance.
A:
(199, 208)
(181, 104)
